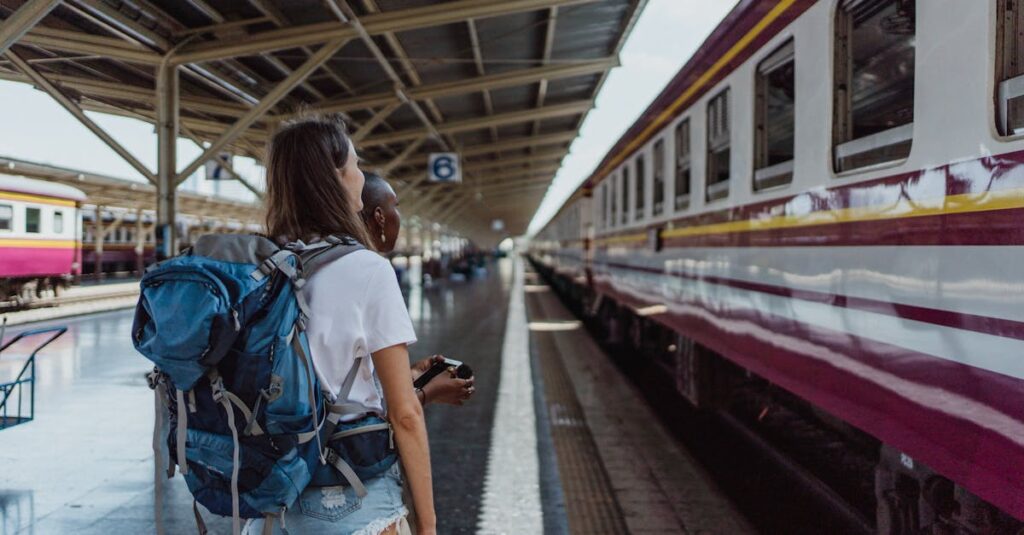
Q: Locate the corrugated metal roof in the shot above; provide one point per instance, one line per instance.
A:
(453, 59)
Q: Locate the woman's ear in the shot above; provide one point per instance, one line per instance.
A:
(378, 216)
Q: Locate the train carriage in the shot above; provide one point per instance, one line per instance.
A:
(829, 197)
(39, 237)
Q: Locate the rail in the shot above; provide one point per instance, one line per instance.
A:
(11, 416)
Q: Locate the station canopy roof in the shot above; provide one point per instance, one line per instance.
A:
(504, 83)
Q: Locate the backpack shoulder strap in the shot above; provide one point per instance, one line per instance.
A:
(320, 254)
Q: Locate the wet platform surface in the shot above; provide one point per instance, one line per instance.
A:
(85, 464)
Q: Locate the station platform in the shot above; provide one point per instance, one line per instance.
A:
(555, 440)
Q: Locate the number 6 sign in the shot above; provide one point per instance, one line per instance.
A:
(444, 167)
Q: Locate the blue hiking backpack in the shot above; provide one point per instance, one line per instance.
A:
(248, 426)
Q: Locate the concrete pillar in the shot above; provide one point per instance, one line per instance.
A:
(167, 161)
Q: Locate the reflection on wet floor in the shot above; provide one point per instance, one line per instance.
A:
(85, 464)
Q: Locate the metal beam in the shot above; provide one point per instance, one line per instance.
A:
(22, 20)
(346, 15)
(375, 121)
(138, 94)
(73, 109)
(408, 151)
(483, 149)
(392, 21)
(82, 43)
(545, 157)
(472, 85)
(547, 112)
(267, 102)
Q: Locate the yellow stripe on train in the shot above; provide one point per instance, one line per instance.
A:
(37, 244)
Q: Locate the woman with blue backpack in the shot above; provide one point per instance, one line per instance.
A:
(357, 314)
(282, 381)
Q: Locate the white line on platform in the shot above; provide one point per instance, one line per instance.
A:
(511, 501)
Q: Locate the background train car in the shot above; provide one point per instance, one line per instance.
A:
(821, 217)
(39, 229)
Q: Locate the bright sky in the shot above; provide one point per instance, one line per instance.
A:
(35, 128)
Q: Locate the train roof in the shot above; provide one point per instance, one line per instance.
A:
(742, 32)
(23, 184)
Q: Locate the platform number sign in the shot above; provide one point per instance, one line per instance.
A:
(444, 167)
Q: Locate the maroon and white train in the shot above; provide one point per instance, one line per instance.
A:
(829, 196)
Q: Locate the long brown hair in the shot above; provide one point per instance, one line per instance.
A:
(305, 200)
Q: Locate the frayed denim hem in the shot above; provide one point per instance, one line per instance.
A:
(379, 525)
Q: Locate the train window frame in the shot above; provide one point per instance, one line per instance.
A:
(658, 182)
(881, 148)
(1009, 68)
(609, 190)
(33, 220)
(6, 221)
(616, 202)
(640, 186)
(58, 222)
(682, 163)
(718, 141)
(624, 190)
(768, 175)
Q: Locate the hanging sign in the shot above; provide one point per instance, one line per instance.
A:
(444, 167)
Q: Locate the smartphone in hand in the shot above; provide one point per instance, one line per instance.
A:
(462, 371)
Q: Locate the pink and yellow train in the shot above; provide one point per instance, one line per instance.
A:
(40, 226)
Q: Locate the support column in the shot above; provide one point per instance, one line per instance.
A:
(167, 162)
(140, 243)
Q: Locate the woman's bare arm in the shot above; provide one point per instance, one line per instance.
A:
(406, 416)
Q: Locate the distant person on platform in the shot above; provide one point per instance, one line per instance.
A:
(380, 213)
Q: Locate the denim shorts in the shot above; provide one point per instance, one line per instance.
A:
(338, 511)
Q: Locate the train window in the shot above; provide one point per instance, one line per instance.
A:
(6, 217)
(718, 147)
(1010, 67)
(775, 119)
(682, 178)
(32, 220)
(607, 187)
(874, 82)
(658, 166)
(624, 188)
(641, 180)
(58, 222)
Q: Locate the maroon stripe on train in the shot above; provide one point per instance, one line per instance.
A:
(944, 318)
(898, 395)
(992, 227)
(995, 227)
(733, 27)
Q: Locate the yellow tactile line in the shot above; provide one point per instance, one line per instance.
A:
(10, 196)
(37, 244)
(670, 111)
(953, 204)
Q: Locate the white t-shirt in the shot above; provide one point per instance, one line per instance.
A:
(356, 309)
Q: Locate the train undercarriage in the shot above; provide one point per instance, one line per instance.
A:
(17, 292)
(875, 486)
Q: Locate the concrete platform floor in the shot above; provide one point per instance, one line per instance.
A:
(85, 464)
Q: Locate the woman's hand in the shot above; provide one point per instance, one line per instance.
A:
(421, 367)
(447, 388)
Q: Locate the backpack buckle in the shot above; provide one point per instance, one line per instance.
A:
(217, 388)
